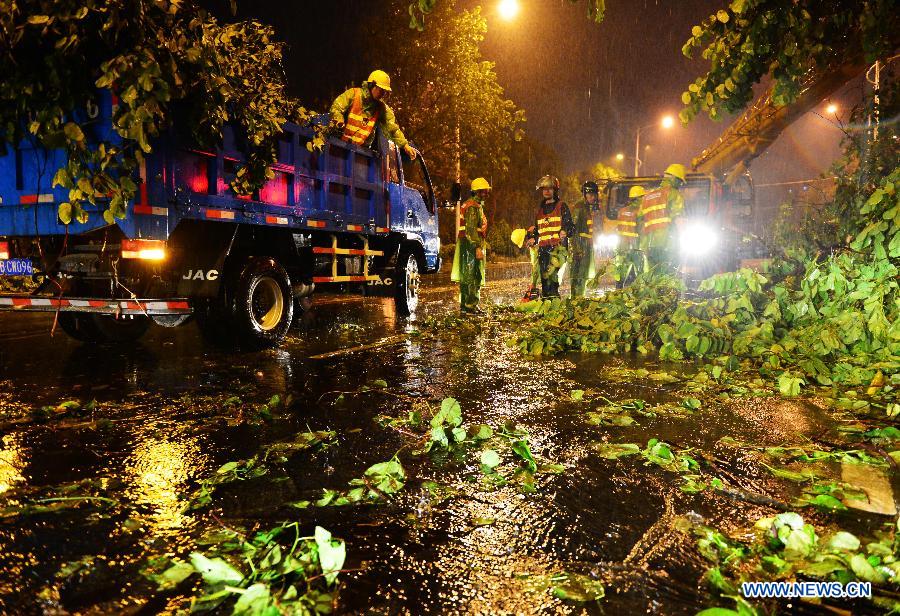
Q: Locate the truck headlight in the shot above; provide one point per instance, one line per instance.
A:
(606, 242)
(698, 239)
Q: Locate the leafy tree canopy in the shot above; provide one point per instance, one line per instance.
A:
(784, 39)
(166, 60)
(441, 82)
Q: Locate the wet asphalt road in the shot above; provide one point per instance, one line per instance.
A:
(162, 425)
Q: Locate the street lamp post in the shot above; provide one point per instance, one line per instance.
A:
(667, 122)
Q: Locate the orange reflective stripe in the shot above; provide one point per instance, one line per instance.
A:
(358, 128)
(549, 226)
(654, 209)
(462, 219)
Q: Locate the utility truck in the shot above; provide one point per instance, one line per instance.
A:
(191, 248)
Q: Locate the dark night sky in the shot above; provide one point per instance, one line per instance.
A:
(585, 87)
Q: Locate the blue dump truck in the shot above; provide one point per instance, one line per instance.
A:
(362, 218)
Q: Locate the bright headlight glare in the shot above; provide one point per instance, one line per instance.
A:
(698, 239)
(606, 242)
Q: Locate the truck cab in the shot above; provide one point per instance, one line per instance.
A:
(717, 219)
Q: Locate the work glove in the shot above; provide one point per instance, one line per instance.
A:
(410, 152)
(479, 254)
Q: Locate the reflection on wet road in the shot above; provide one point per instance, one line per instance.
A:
(163, 422)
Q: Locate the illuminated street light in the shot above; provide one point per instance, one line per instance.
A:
(620, 156)
(667, 122)
(832, 109)
(508, 9)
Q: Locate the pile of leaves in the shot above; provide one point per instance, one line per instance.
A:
(784, 547)
(445, 432)
(830, 322)
(256, 466)
(273, 572)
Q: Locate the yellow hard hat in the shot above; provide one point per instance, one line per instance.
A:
(380, 79)
(480, 184)
(677, 170)
(636, 191)
(518, 237)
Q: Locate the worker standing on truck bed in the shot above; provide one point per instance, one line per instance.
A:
(358, 110)
(552, 226)
(660, 208)
(581, 244)
(471, 245)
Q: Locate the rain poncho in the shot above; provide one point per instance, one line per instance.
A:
(581, 247)
(468, 270)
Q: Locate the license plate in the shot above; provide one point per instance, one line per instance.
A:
(16, 267)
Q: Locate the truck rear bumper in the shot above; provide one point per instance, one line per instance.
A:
(148, 307)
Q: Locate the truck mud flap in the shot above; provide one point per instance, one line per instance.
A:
(383, 285)
(147, 307)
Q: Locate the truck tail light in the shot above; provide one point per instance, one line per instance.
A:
(152, 250)
(4, 250)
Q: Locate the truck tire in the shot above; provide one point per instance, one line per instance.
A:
(79, 326)
(263, 304)
(123, 329)
(98, 328)
(407, 290)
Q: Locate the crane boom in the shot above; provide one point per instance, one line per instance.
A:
(761, 124)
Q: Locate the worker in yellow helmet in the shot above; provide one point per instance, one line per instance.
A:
(629, 260)
(357, 111)
(660, 208)
(471, 248)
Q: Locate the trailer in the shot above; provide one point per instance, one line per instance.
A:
(191, 248)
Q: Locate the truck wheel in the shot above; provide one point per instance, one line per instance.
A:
(123, 329)
(94, 328)
(263, 304)
(407, 296)
(79, 326)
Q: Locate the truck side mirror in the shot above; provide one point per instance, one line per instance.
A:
(455, 192)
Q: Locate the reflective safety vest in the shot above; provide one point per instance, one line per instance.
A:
(549, 226)
(655, 210)
(626, 226)
(358, 129)
(462, 219)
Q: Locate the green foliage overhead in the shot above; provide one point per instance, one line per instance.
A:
(751, 39)
(440, 82)
(169, 63)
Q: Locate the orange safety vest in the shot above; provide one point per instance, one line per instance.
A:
(626, 226)
(462, 219)
(357, 129)
(549, 226)
(655, 210)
